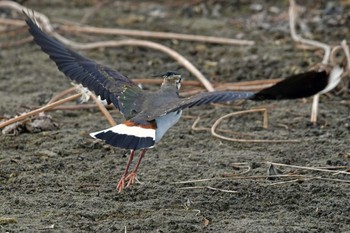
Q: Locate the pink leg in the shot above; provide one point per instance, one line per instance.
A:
(131, 177)
(121, 182)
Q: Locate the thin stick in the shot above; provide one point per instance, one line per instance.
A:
(298, 38)
(260, 177)
(61, 94)
(199, 180)
(103, 110)
(284, 182)
(242, 165)
(309, 168)
(209, 187)
(314, 108)
(195, 128)
(157, 35)
(218, 121)
(346, 74)
(42, 109)
(345, 47)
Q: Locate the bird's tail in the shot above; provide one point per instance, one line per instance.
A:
(301, 85)
(129, 135)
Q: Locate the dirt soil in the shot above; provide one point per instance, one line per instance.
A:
(64, 181)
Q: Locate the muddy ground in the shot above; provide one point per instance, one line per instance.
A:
(64, 181)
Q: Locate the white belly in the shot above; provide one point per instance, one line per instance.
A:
(165, 122)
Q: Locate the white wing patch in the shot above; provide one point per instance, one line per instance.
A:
(129, 130)
(334, 79)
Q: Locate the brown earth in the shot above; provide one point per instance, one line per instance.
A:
(63, 181)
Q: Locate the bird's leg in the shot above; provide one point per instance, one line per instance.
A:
(121, 182)
(131, 177)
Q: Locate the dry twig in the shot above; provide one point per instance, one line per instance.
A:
(209, 187)
(310, 168)
(234, 177)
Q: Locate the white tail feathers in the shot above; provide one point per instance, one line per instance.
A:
(128, 137)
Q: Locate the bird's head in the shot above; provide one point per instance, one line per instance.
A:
(171, 78)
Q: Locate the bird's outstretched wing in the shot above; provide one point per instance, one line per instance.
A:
(105, 82)
(196, 100)
(302, 85)
(294, 87)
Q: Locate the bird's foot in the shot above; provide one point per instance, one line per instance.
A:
(121, 184)
(131, 177)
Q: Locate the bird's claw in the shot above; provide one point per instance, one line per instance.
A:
(121, 184)
(131, 177)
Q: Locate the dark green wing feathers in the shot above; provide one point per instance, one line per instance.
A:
(130, 101)
(105, 82)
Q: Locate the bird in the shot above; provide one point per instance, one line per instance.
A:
(149, 115)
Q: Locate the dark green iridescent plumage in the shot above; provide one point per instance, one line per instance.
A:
(130, 101)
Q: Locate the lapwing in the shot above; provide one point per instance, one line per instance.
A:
(149, 115)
